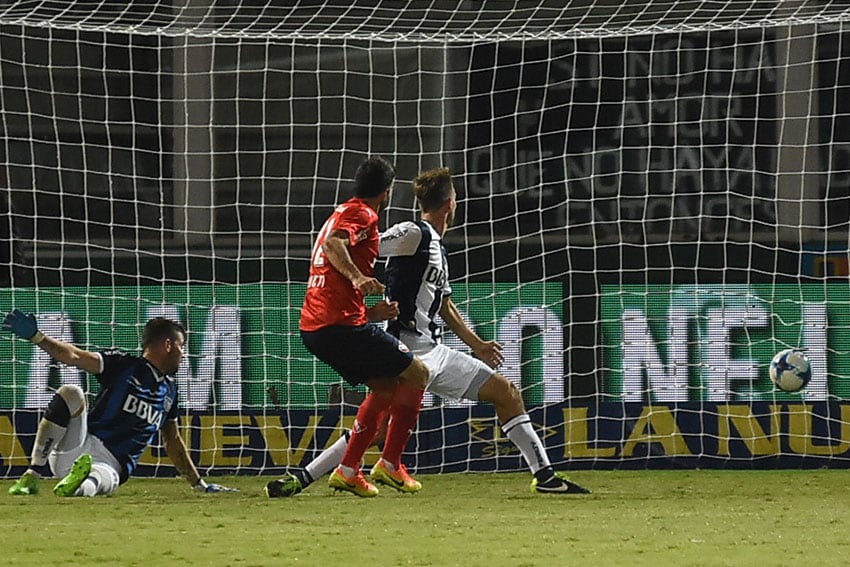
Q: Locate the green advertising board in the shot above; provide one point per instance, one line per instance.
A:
(671, 343)
(244, 348)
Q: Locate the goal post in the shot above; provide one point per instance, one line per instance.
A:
(653, 201)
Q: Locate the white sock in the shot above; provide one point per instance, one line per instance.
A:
(101, 480)
(329, 459)
(522, 434)
(47, 437)
(87, 488)
(347, 471)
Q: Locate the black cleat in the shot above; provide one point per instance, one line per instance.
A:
(283, 487)
(557, 484)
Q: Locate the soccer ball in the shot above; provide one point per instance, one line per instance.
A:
(790, 370)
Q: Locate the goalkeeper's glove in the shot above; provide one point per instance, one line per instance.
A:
(203, 486)
(23, 325)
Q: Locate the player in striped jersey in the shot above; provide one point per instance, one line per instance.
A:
(96, 451)
(417, 280)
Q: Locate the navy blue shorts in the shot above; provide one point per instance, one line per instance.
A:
(358, 354)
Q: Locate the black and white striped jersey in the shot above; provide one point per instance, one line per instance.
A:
(417, 276)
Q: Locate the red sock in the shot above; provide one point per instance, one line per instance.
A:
(369, 417)
(404, 411)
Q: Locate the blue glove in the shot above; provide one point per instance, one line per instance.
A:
(209, 488)
(23, 325)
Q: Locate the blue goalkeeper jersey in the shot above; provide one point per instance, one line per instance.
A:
(134, 401)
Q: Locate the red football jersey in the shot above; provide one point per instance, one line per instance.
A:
(331, 297)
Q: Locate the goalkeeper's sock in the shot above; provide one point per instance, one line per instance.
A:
(404, 412)
(51, 429)
(522, 434)
(328, 460)
(369, 417)
(41, 471)
(88, 487)
(46, 438)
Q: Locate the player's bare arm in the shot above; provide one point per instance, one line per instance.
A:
(335, 248)
(176, 450)
(71, 355)
(25, 326)
(490, 352)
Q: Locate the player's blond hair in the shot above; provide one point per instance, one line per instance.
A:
(433, 188)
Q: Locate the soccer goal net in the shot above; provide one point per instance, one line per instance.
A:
(654, 199)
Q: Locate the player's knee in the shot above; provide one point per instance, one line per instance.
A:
(505, 395)
(106, 477)
(513, 392)
(74, 398)
(58, 411)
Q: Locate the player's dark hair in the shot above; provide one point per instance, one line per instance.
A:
(433, 188)
(159, 328)
(373, 177)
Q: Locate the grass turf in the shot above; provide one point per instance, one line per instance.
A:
(633, 517)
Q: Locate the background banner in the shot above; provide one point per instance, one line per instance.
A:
(244, 350)
(610, 435)
(675, 343)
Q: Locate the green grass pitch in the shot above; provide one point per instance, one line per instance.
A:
(632, 518)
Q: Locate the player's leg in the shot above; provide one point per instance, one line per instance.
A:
(62, 425)
(94, 471)
(296, 480)
(517, 426)
(401, 397)
(360, 354)
(71, 482)
(370, 415)
(457, 375)
(404, 412)
(101, 479)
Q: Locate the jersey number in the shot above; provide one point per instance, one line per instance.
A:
(317, 258)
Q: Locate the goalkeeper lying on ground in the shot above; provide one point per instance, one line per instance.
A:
(417, 281)
(97, 451)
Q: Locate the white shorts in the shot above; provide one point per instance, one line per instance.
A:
(76, 442)
(453, 374)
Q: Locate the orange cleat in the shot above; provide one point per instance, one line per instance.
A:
(400, 479)
(356, 484)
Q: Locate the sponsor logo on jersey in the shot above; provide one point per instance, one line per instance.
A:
(435, 276)
(142, 410)
(362, 235)
(393, 234)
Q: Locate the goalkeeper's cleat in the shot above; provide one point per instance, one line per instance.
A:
(400, 479)
(26, 485)
(283, 487)
(356, 484)
(79, 472)
(557, 484)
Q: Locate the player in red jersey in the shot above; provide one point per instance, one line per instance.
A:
(335, 327)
